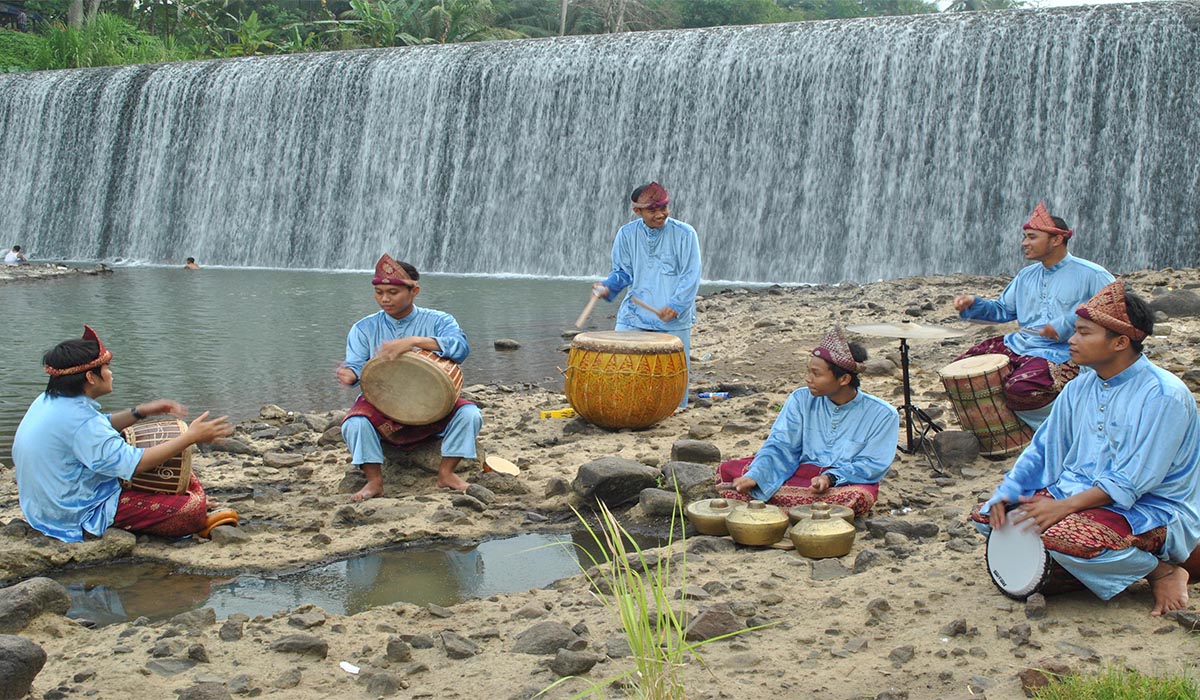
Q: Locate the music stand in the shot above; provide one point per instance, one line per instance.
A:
(904, 331)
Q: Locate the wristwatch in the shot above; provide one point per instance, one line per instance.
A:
(832, 479)
(135, 413)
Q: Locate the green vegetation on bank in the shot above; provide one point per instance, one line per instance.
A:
(75, 34)
(1119, 684)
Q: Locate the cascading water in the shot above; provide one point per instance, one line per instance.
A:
(809, 152)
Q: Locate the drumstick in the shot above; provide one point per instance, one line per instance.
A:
(587, 310)
(644, 305)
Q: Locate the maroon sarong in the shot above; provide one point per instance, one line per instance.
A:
(398, 434)
(1087, 533)
(164, 514)
(1034, 381)
(794, 492)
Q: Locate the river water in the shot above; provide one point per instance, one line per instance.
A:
(231, 340)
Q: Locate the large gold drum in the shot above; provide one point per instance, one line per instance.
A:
(626, 379)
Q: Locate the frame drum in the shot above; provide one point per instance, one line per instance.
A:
(417, 388)
(1017, 560)
(173, 475)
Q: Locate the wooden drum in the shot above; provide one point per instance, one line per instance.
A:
(626, 379)
(173, 475)
(417, 388)
(976, 388)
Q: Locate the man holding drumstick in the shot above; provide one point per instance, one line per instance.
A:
(1112, 477)
(399, 327)
(658, 259)
(1041, 298)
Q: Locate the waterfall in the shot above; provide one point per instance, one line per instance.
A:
(809, 152)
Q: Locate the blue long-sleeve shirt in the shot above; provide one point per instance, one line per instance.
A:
(368, 334)
(1136, 436)
(856, 440)
(660, 267)
(1043, 296)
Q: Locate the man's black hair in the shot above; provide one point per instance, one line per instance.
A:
(1140, 317)
(637, 192)
(859, 353)
(70, 353)
(16, 249)
(412, 271)
(1062, 224)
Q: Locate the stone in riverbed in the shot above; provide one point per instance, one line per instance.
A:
(713, 622)
(462, 500)
(22, 602)
(20, 662)
(398, 650)
(304, 644)
(956, 448)
(458, 646)
(701, 544)
(282, 460)
(696, 451)
(232, 630)
(195, 619)
(547, 638)
(693, 481)
(205, 691)
(657, 503)
(385, 684)
(573, 663)
(506, 344)
(229, 534)
(614, 480)
(1177, 303)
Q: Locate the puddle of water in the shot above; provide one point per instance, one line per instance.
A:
(443, 576)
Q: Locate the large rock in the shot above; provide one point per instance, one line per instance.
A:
(303, 644)
(573, 663)
(547, 638)
(956, 448)
(21, 603)
(714, 622)
(695, 451)
(20, 662)
(614, 480)
(658, 503)
(693, 481)
(1177, 303)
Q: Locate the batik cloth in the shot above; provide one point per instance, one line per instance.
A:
(163, 514)
(794, 492)
(1033, 382)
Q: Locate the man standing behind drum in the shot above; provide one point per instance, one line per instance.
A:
(1112, 478)
(70, 459)
(1041, 298)
(658, 259)
(398, 328)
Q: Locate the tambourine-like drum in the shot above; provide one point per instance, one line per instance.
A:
(173, 475)
(417, 388)
(976, 388)
(626, 379)
(1017, 560)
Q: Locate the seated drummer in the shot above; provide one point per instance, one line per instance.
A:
(70, 459)
(398, 328)
(831, 442)
(1112, 476)
(1042, 299)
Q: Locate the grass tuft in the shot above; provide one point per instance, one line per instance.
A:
(1119, 684)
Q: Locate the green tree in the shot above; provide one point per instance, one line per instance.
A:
(713, 13)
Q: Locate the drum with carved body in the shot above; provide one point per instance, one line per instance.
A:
(626, 379)
(173, 475)
(976, 388)
(417, 388)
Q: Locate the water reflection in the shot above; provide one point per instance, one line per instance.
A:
(442, 576)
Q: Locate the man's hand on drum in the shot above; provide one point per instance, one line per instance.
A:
(204, 429)
(819, 484)
(393, 349)
(962, 302)
(743, 484)
(1043, 511)
(346, 376)
(666, 313)
(996, 514)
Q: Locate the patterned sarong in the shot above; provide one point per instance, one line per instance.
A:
(1034, 381)
(398, 434)
(794, 492)
(163, 514)
(1089, 532)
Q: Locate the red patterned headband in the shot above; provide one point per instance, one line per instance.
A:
(388, 271)
(653, 196)
(835, 349)
(1108, 309)
(102, 359)
(1040, 220)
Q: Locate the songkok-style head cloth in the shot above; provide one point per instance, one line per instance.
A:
(653, 196)
(103, 358)
(1108, 309)
(1040, 220)
(835, 349)
(388, 271)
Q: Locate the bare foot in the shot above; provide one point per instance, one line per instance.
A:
(452, 481)
(1169, 589)
(367, 492)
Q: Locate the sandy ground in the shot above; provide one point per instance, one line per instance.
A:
(921, 619)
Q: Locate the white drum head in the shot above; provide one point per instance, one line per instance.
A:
(411, 389)
(974, 366)
(1017, 560)
(500, 465)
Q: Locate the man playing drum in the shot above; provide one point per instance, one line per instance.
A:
(1112, 477)
(70, 459)
(658, 259)
(831, 442)
(1041, 299)
(397, 328)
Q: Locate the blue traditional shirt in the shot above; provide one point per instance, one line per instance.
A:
(856, 440)
(1043, 296)
(660, 267)
(368, 334)
(1136, 436)
(68, 460)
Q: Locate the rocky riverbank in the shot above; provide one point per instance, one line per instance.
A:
(910, 612)
(40, 271)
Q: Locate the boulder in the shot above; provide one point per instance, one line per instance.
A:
(1177, 303)
(692, 481)
(658, 503)
(20, 662)
(21, 603)
(614, 480)
(956, 448)
(695, 451)
(547, 638)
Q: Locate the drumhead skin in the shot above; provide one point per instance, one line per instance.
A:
(1017, 560)
(500, 465)
(628, 342)
(973, 366)
(412, 389)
